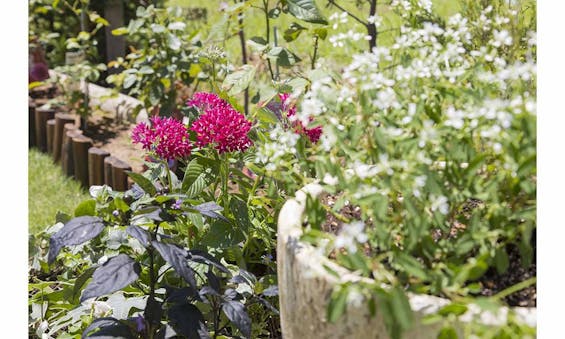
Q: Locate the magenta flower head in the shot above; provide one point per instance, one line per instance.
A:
(220, 124)
(167, 137)
(312, 133)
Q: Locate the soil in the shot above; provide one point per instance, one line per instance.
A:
(115, 137)
(107, 132)
(491, 282)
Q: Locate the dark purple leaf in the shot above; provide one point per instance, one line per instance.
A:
(209, 209)
(166, 332)
(238, 279)
(271, 291)
(108, 328)
(153, 311)
(145, 184)
(268, 305)
(75, 232)
(205, 258)
(139, 233)
(113, 275)
(177, 257)
(213, 281)
(181, 295)
(231, 294)
(207, 290)
(235, 311)
(188, 321)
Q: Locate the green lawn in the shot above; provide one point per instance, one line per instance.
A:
(49, 191)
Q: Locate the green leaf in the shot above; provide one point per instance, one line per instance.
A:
(81, 280)
(174, 42)
(447, 332)
(410, 265)
(257, 43)
(197, 176)
(293, 32)
(337, 304)
(321, 33)
(87, 207)
(143, 182)
(306, 10)
(239, 80)
(129, 80)
(283, 56)
(454, 308)
(501, 261)
(401, 308)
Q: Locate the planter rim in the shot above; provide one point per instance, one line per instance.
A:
(290, 228)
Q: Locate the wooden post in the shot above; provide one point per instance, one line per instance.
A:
(31, 124)
(80, 145)
(42, 114)
(50, 135)
(67, 163)
(115, 45)
(60, 120)
(96, 158)
(119, 176)
(43, 91)
(108, 170)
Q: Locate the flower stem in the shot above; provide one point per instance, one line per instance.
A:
(225, 178)
(169, 178)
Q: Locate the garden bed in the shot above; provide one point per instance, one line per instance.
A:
(306, 284)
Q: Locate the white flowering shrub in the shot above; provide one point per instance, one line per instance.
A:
(434, 137)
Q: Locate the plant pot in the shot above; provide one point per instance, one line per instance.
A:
(305, 287)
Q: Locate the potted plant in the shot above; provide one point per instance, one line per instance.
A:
(427, 164)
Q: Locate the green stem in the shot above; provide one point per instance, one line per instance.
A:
(268, 35)
(515, 288)
(225, 178)
(315, 52)
(169, 177)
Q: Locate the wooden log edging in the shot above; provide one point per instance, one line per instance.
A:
(42, 115)
(115, 173)
(67, 163)
(80, 145)
(96, 157)
(119, 176)
(50, 128)
(108, 171)
(61, 119)
(31, 124)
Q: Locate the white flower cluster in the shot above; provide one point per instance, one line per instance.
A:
(350, 235)
(283, 142)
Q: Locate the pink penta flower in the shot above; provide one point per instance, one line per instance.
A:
(168, 138)
(220, 124)
(312, 133)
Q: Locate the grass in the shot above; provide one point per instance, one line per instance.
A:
(254, 25)
(49, 191)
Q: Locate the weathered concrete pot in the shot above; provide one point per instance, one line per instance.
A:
(305, 288)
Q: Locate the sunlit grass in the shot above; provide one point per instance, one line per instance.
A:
(49, 191)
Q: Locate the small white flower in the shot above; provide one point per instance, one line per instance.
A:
(330, 180)
(350, 235)
(440, 203)
(354, 298)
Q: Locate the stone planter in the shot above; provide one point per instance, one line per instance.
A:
(305, 288)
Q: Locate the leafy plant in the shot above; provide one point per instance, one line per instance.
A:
(433, 138)
(161, 64)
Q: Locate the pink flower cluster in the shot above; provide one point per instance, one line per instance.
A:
(220, 124)
(167, 137)
(312, 133)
